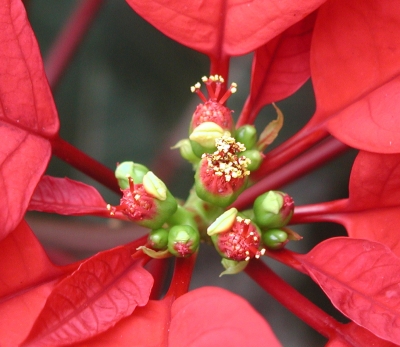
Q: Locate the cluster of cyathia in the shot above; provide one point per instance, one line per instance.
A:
(223, 158)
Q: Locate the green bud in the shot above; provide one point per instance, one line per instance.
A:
(255, 157)
(247, 134)
(202, 138)
(198, 149)
(158, 239)
(273, 209)
(128, 169)
(274, 238)
(186, 151)
(206, 133)
(182, 216)
(183, 240)
(223, 223)
(154, 186)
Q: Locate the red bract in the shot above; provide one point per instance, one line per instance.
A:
(354, 59)
(102, 291)
(356, 74)
(373, 210)
(362, 280)
(27, 278)
(27, 114)
(280, 67)
(224, 27)
(67, 197)
(203, 317)
(374, 199)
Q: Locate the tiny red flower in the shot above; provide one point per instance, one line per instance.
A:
(242, 241)
(213, 109)
(149, 203)
(222, 175)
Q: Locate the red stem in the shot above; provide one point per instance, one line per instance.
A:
(84, 163)
(292, 299)
(296, 145)
(322, 212)
(158, 269)
(69, 39)
(220, 66)
(300, 166)
(245, 114)
(182, 275)
(286, 257)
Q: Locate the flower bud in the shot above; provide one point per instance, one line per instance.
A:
(158, 239)
(275, 239)
(128, 169)
(255, 158)
(247, 134)
(186, 151)
(183, 240)
(149, 203)
(236, 238)
(273, 209)
(206, 133)
(222, 176)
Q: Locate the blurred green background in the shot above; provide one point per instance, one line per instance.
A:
(126, 96)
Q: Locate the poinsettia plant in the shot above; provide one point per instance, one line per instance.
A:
(351, 51)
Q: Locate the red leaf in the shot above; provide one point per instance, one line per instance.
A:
(203, 317)
(281, 66)
(102, 291)
(27, 113)
(223, 27)
(356, 74)
(361, 278)
(67, 197)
